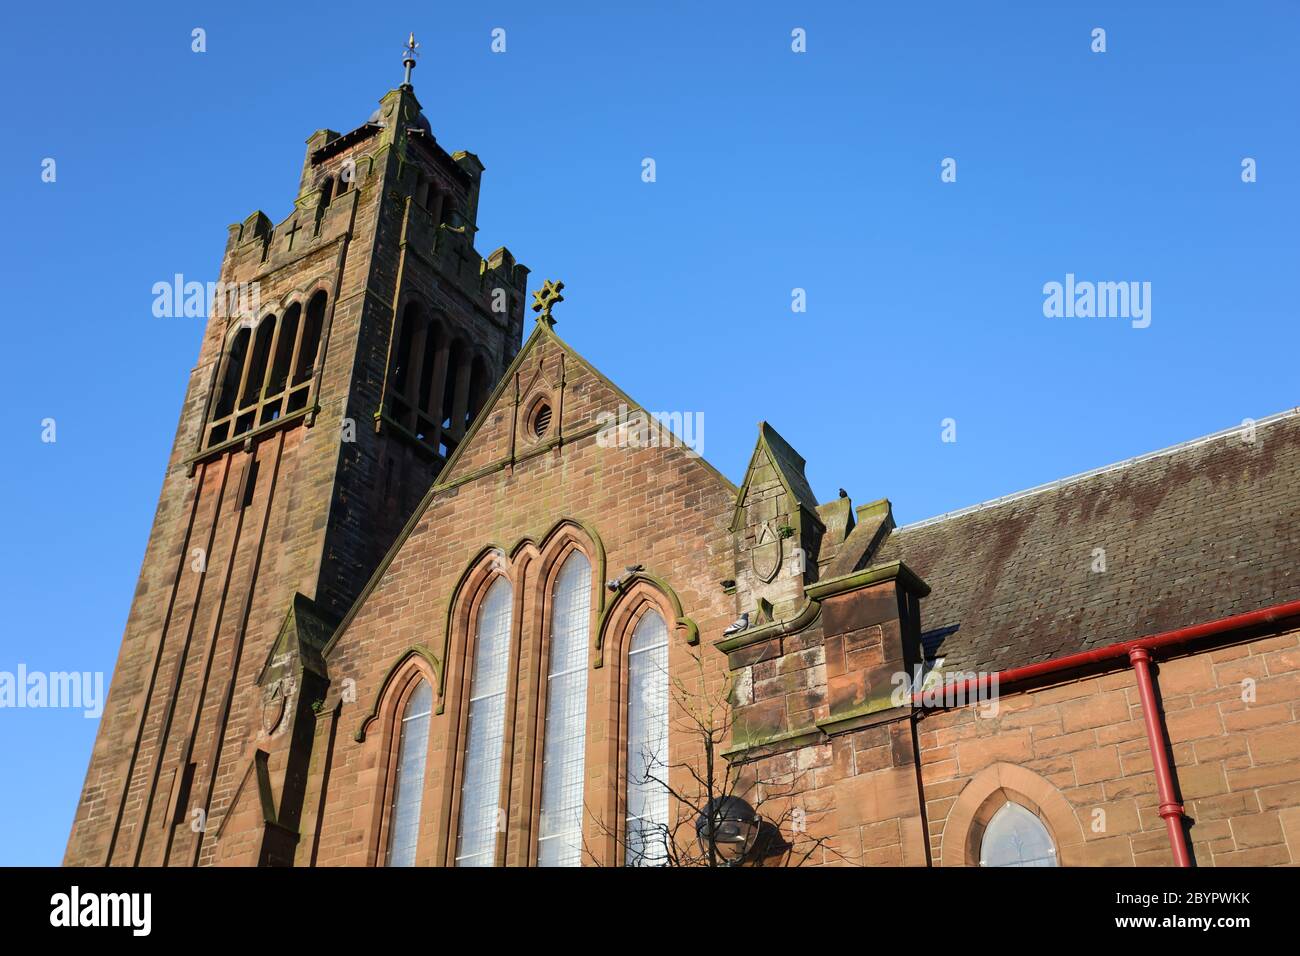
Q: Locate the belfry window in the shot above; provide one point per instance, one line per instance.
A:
(255, 386)
(563, 748)
(408, 785)
(419, 368)
(1016, 837)
(232, 373)
(256, 372)
(323, 204)
(308, 352)
(426, 193)
(284, 342)
(436, 384)
(647, 742)
(481, 813)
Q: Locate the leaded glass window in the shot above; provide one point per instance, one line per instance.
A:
(647, 743)
(481, 815)
(1016, 837)
(565, 740)
(408, 785)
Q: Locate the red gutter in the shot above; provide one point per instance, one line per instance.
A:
(1138, 655)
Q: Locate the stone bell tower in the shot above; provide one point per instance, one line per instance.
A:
(366, 334)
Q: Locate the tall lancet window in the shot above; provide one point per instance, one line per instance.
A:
(564, 746)
(408, 788)
(647, 743)
(481, 813)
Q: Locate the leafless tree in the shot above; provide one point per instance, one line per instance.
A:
(702, 786)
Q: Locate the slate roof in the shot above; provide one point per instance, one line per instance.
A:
(1191, 534)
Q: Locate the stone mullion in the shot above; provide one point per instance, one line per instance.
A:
(293, 359)
(238, 405)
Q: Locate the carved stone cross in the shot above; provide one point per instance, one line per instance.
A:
(546, 298)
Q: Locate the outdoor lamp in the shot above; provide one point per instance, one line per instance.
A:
(734, 826)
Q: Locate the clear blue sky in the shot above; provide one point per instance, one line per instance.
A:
(775, 171)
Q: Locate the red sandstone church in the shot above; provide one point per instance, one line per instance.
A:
(409, 600)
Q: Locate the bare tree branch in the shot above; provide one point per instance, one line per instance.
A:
(702, 720)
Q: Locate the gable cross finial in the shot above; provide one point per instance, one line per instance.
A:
(409, 53)
(546, 298)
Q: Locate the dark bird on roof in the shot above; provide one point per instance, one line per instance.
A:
(843, 493)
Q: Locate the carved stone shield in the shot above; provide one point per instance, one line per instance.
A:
(273, 705)
(765, 555)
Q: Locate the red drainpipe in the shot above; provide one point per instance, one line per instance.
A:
(1170, 809)
(1138, 654)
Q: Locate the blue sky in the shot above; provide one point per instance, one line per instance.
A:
(775, 171)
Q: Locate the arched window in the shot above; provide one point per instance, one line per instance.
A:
(564, 745)
(411, 322)
(647, 742)
(408, 787)
(284, 343)
(308, 352)
(323, 203)
(256, 387)
(257, 362)
(232, 374)
(422, 190)
(1016, 837)
(480, 795)
(419, 375)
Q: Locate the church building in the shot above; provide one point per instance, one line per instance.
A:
(419, 592)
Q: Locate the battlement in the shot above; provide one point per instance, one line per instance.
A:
(386, 217)
(393, 158)
(501, 266)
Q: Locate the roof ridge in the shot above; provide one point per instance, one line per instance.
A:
(1094, 472)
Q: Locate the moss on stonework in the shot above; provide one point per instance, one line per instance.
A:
(785, 740)
(867, 712)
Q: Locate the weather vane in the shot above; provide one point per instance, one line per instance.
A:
(409, 53)
(546, 298)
